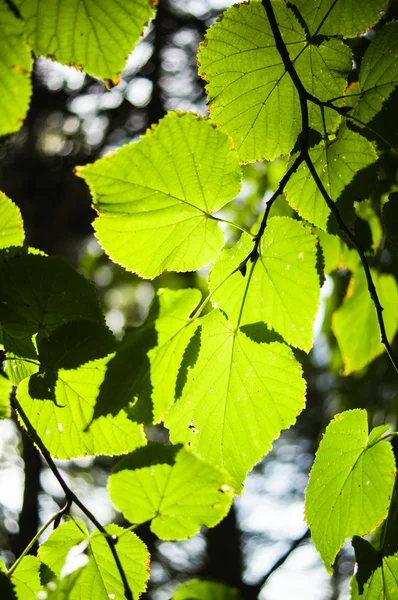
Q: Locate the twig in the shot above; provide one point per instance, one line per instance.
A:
(304, 154)
(282, 559)
(71, 496)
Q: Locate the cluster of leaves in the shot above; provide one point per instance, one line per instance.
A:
(220, 373)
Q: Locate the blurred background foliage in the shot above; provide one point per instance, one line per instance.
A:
(73, 120)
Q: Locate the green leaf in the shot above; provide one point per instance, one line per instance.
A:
(94, 36)
(250, 94)
(355, 323)
(350, 485)
(382, 583)
(205, 590)
(171, 487)
(368, 559)
(26, 578)
(74, 344)
(379, 72)
(155, 198)
(55, 549)
(100, 578)
(344, 17)
(62, 588)
(367, 213)
(336, 163)
(284, 288)
(15, 86)
(174, 333)
(331, 250)
(11, 224)
(22, 358)
(63, 426)
(5, 391)
(237, 399)
(40, 293)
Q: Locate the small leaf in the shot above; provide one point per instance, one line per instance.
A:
(15, 85)
(63, 426)
(284, 288)
(155, 198)
(205, 590)
(237, 398)
(355, 323)
(336, 163)
(345, 17)
(331, 250)
(11, 224)
(22, 359)
(26, 579)
(100, 579)
(174, 333)
(350, 485)
(55, 549)
(381, 584)
(5, 392)
(94, 36)
(171, 487)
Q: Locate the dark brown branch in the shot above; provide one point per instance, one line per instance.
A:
(254, 254)
(282, 559)
(71, 496)
(304, 154)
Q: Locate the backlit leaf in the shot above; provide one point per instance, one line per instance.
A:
(382, 578)
(174, 332)
(250, 94)
(171, 487)
(96, 36)
(5, 391)
(26, 579)
(355, 323)
(155, 198)
(237, 399)
(336, 164)
(15, 67)
(11, 224)
(344, 17)
(100, 578)
(284, 288)
(63, 427)
(350, 485)
(54, 551)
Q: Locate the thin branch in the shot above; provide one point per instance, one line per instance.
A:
(282, 559)
(71, 496)
(345, 112)
(304, 154)
(254, 254)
